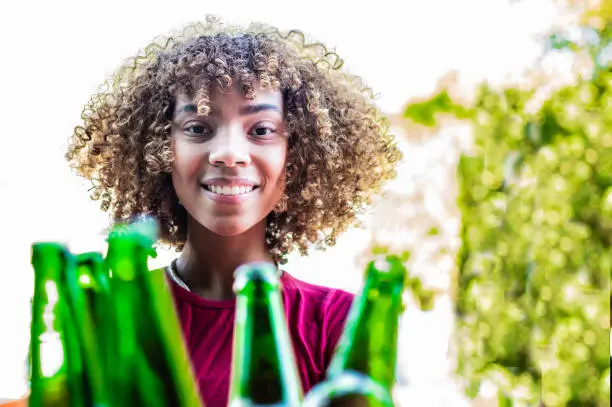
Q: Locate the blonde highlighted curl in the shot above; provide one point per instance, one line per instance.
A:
(339, 153)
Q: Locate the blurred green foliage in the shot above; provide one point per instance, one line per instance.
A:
(533, 281)
(424, 113)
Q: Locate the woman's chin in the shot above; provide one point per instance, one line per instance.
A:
(228, 228)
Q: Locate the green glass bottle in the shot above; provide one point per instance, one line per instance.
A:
(87, 296)
(368, 345)
(264, 370)
(56, 373)
(92, 278)
(151, 363)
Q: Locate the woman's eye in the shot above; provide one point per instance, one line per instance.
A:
(263, 131)
(197, 130)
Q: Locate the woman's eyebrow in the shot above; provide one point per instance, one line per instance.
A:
(253, 109)
(243, 110)
(188, 108)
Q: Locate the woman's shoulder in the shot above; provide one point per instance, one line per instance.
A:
(328, 307)
(317, 314)
(322, 296)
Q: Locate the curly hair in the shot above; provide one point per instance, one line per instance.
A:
(339, 150)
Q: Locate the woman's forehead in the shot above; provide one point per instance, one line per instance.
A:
(234, 95)
(218, 101)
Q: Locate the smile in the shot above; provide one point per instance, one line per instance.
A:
(229, 195)
(227, 190)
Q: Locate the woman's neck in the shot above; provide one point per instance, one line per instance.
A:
(208, 261)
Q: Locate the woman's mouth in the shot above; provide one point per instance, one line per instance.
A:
(230, 190)
(235, 194)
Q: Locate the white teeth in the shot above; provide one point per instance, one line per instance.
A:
(235, 190)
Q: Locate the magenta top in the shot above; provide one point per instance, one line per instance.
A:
(315, 317)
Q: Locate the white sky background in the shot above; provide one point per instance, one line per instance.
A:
(55, 54)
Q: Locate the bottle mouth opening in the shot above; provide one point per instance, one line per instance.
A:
(264, 273)
(348, 384)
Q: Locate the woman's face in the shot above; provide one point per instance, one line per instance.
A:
(229, 165)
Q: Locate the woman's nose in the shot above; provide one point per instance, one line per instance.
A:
(230, 148)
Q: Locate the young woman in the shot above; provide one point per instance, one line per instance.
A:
(245, 144)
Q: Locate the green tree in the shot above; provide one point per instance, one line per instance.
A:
(533, 278)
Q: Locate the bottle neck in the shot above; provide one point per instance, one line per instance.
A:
(50, 328)
(151, 351)
(263, 368)
(49, 309)
(369, 342)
